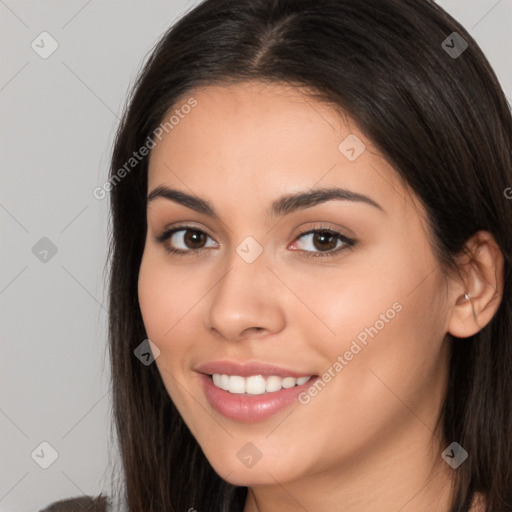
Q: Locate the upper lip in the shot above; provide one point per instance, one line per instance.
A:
(248, 368)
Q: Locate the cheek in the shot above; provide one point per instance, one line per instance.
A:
(152, 299)
(346, 300)
(374, 293)
(392, 351)
(383, 321)
(165, 297)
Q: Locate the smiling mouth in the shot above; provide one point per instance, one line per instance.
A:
(256, 384)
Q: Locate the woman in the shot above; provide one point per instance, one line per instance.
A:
(311, 224)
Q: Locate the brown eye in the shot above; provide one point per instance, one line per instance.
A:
(183, 240)
(194, 239)
(324, 242)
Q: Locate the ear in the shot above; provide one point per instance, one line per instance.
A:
(482, 280)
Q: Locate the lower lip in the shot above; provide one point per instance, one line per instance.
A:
(251, 408)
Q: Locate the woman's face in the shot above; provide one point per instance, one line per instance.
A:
(367, 321)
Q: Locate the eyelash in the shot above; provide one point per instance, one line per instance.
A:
(350, 243)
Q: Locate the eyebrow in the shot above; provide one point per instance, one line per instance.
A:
(284, 205)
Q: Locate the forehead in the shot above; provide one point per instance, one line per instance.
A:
(243, 120)
(258, 139)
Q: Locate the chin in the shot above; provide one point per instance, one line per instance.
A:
(245, 478)
(258, 475)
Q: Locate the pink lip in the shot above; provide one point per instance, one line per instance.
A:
(250, 408)
(247, 369)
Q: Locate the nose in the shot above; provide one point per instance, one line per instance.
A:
(247, 301)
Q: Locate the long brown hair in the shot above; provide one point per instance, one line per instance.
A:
(439, 118)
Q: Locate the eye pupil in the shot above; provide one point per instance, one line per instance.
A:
(323, 236)
(191, 237)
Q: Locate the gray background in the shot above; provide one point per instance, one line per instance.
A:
(58, 117)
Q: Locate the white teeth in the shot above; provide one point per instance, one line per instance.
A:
(216, 379)
(236, 384)
(255, 384)
(224, 382)
(273, 384)
(289, 382)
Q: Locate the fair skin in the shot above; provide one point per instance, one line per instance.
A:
(366, 442)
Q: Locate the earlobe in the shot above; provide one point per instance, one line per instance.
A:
(477, 298)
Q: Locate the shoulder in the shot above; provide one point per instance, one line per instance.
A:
(80, 504)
